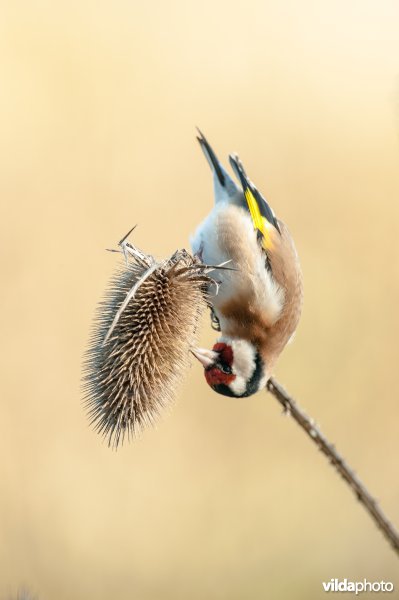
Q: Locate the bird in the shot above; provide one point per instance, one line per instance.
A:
(256, 304)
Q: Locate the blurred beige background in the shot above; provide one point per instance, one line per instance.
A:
(226, 499)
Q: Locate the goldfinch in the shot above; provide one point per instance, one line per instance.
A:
(256, 304)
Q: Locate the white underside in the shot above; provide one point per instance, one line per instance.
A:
(227, 234)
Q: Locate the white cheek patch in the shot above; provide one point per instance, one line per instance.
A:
(238, 386)
(244, 364)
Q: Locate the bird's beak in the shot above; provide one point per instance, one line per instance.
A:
(206, 357)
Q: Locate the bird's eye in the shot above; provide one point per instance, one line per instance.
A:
(225, 369)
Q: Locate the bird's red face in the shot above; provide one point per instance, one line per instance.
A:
(218, 364)
(220, 373)
(232, 368)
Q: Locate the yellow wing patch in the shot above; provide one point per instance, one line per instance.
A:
(259, 220)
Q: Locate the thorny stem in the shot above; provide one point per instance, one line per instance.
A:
(358, 488)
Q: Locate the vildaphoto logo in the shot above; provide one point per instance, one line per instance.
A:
(344, 585)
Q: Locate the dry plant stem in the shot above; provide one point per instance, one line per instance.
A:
(361, 492)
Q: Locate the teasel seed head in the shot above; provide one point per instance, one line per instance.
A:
(141, 340)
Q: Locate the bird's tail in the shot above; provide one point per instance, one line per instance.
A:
(225, 188)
